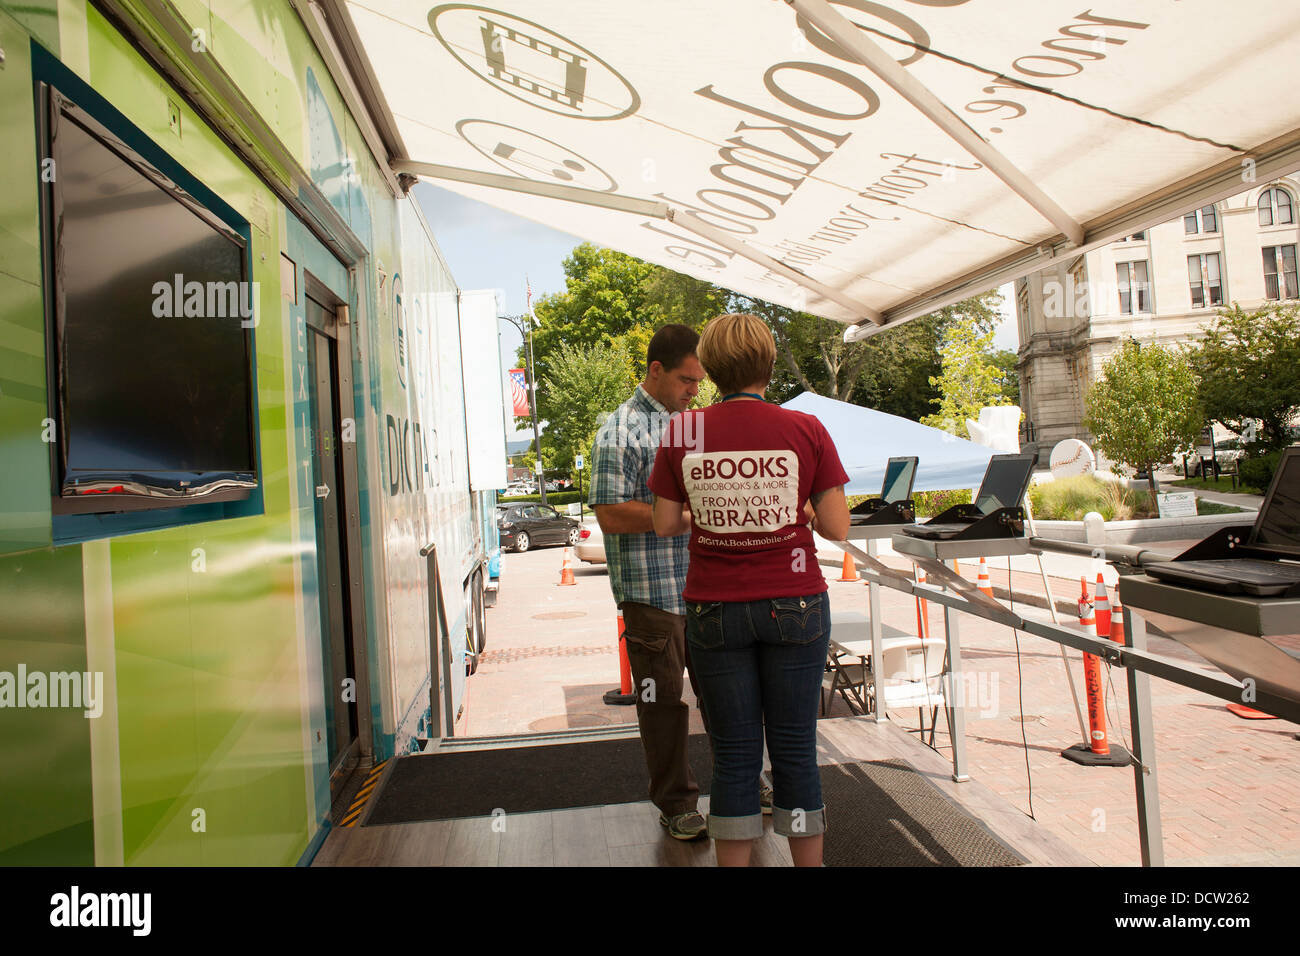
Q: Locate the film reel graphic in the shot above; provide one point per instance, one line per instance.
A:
(532, 63)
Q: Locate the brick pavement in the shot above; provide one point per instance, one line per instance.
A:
(551, 652)
(1229, 788)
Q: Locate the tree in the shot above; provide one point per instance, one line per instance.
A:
(1144, 409)
(889, 371)
(1006, 370)
(615, 300)
(604, 297)
(1249, 367)
(584, 382)
(969, 379)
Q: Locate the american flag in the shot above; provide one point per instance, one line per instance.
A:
(519, 391)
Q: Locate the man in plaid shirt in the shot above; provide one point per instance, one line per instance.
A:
(647, 573)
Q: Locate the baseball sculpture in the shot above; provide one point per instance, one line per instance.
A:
(1072, 457)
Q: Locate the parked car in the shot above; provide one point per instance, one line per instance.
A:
(524, 525)
(591, 545)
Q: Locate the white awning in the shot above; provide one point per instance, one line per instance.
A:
(864, 161)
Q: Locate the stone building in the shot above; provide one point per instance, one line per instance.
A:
(1161, 285)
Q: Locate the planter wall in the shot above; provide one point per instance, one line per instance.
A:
(1144, 530)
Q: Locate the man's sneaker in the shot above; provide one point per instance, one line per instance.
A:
(764, 796)
(683, 826)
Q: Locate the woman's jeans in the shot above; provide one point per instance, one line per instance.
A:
(760, 665)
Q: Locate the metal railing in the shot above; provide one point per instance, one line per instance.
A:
(957, 596)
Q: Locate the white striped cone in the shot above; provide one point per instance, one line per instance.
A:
(1102, 608)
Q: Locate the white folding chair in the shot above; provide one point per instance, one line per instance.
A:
(910, 675)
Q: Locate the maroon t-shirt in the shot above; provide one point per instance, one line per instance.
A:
(747, 468)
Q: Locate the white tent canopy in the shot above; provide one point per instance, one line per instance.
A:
(865, 161)
(866, 439)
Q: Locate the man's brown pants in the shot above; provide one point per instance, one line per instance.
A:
(657, 655)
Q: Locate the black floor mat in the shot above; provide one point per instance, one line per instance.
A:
(879, 813)
(473, 783)
(884, 813)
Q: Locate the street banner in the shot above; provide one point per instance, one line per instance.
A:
(519, 392)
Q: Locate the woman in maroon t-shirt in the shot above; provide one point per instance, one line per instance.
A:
(746, 479)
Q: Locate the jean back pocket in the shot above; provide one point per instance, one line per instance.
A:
(801, 620)
(704, 625)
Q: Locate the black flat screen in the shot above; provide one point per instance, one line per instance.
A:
(1278, 525)
(154, 371)
(1004, 482)
(899, 473)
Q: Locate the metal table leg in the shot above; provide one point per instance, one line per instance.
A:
(954, 689)
(877, 638)
(1144, 748)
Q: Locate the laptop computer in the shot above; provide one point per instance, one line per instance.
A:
(900, 474)
(1276, 532)
(1004, 484)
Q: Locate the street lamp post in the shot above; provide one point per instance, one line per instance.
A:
(526, 332)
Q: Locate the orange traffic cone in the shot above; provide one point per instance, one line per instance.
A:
(850, 570)
(1103, 608)
(566, 572)
(1117, 621)
(984, 584)
(623, 693)
(1249, 713)
(1099, 752)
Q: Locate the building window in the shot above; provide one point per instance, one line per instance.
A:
(1134, 287)
(1203, 277)
(1136, 237)
(1201, 220)
(1275, 207)
(1280, 272)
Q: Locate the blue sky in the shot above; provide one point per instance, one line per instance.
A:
(487, 248)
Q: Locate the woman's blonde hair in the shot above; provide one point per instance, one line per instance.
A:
(737, 350)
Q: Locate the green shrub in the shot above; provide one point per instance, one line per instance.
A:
(1258, 472)
(1069, 499)
(928, 503)
(931, 503)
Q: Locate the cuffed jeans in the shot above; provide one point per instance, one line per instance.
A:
(759, 665)
(657, 656)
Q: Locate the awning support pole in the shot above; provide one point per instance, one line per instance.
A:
(842, 30)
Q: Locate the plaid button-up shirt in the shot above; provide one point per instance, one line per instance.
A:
(644, 567)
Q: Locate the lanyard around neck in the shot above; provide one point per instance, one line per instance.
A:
(726, 398)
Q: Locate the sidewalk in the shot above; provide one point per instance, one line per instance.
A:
(1253, 502)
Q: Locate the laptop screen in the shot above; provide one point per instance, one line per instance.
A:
(1004, 482)
(1278, 525)
(899, 474)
